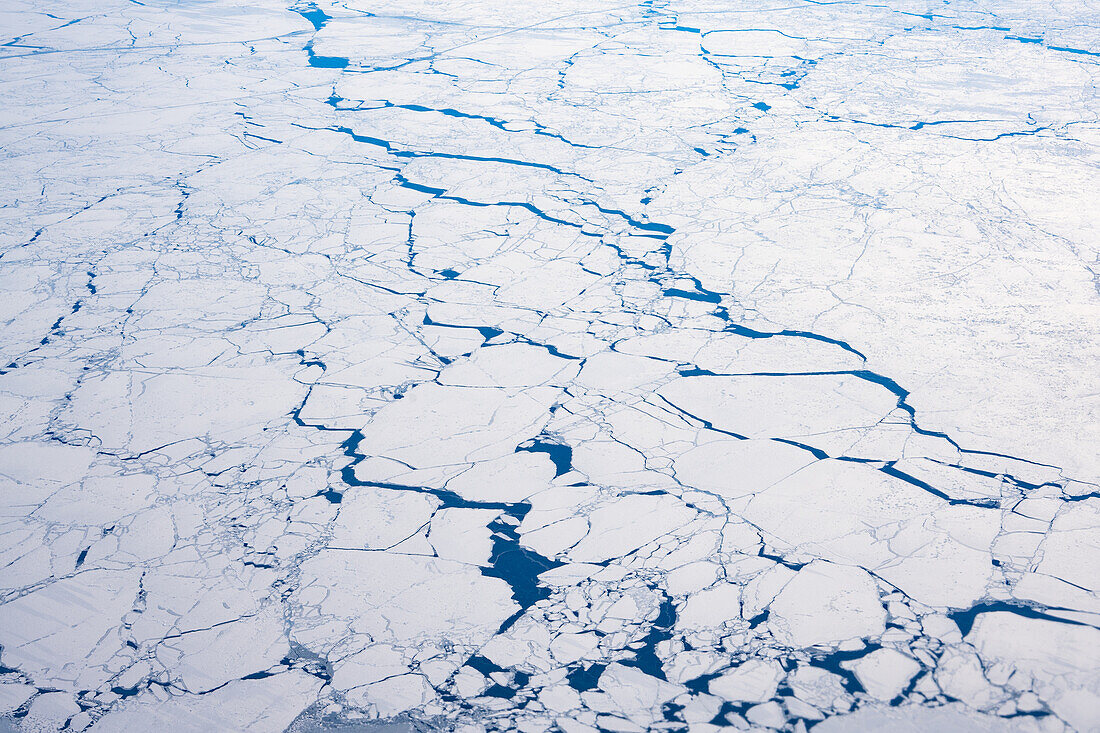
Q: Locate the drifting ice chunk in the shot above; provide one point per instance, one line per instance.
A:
(754, 681)
(825, 604)
(885, 673)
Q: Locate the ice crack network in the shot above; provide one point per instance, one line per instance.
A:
(549, 367)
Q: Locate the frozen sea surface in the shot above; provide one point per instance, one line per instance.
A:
(561, 366)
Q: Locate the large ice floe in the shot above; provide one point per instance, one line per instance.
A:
(688, 365)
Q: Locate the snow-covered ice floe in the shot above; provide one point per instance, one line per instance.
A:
(561, 366)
